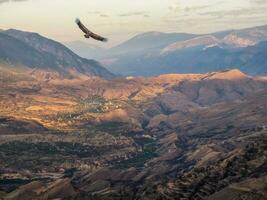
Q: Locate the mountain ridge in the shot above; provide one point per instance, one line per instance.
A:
(154, 53)
(51, 54)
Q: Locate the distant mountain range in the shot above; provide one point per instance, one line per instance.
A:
(155, 53)
(147, 54)
(32, 50)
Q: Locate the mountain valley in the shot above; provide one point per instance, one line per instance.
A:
(140, 138)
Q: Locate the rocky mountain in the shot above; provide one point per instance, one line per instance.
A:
(156, 53)
(251, 60)
(37, 52)
(207, 58)
(174, 136)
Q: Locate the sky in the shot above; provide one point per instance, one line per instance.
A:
(121, 19)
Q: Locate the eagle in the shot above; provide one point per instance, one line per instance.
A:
(88, 33)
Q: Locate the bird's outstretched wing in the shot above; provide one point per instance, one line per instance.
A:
(89, 33)
(98, 37)
(81, 26)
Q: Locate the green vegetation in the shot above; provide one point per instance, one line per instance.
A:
(112, 128)
(148, 152)
(138, 161)
(8, 185)
(51, 149)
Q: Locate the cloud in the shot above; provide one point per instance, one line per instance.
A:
(196, 8)
(139, 13)
(94, 12)
(98, 13)
(236, 12)
(258, 2)
(103, 15)
(179, 8)
(5, 1)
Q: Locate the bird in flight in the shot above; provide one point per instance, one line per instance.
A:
(88, 33)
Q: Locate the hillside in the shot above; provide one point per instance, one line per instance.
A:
(185, 136)
(36, 52)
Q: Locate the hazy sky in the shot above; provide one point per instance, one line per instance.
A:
(120, 19)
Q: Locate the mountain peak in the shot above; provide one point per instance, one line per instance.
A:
(230, 74)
